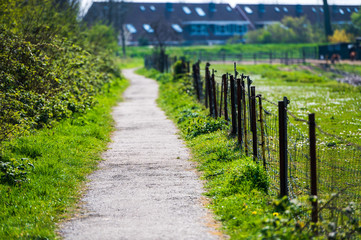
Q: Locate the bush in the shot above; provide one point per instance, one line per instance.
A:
(45, 74)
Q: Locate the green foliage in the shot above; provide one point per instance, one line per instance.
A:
(290, 30)
(14, 171)
(291, 221)
(202, 124)
(356, 22)
(101, 38)
(49, 69)
(43, 174)
(179, 69)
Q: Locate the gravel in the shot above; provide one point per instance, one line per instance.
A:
(146, 188)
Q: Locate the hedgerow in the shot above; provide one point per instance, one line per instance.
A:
(47, 73)
(51, 68)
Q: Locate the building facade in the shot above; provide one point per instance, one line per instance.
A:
(200, 23)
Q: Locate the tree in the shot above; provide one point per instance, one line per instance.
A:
(340, 36)
(162, 34)
(121, 14)
(301, 26)
(356, 21)
(290, 30)
(327, 19)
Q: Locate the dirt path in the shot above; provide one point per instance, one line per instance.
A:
(145, 188)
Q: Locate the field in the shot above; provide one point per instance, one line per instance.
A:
(312, 89)
(229, 49)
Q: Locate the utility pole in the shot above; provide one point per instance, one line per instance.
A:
(327, 18)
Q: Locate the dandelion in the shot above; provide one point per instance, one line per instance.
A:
(276, 214)
(254, 212)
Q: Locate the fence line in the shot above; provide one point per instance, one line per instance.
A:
(265, 132)
(285, 57)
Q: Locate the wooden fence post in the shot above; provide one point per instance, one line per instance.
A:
(282, 129)
(221, 102)
(313, 161)
(225, 88)
(215, 113)
(239, 110)
(206, 76)
(263, 142)
(244, 117)
(233, 106)
(249, 82)
(254, 123)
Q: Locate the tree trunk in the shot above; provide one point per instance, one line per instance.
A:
(328, 27)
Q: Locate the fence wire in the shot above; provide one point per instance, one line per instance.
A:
(338, 161)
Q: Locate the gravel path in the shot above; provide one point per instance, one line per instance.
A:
(145, 188)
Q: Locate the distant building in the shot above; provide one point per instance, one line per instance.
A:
(260, 15)
(176, 23)
(201, 23)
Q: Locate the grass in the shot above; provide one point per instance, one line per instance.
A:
(235, 184)
(229, 48)
(52, 166)
(239, 188)
(310, 90)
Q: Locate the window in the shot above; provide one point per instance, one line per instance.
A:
(314, 10)
(177, 28)
(341, 11)
(277, 9)
(131, 28)
(348, 10)
(229, 29)
(148, 28)
(229, 9)
(285, 9)
(142, 8)
(152, 8)
(186, 10)
(200, 11)
(321, 9)
(356, 9)
(248, 10)
(198, 29)
(241, 29)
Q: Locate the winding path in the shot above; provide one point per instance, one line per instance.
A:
(145, 188)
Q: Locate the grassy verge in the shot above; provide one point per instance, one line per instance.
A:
(236, 185)
(46, 170)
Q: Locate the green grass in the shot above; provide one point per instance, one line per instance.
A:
(238, 188)
(310, 90)
(129, 62)
(228, 48)
(56, 163)
(235, 184)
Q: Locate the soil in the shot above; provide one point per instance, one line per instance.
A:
(146, 187)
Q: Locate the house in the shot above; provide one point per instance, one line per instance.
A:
(260, 15)
(141, 23)
(170, 23)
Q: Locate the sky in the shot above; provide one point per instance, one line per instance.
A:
(87, 3)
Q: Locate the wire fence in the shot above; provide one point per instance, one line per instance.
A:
(286, 57)
(297, 163)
